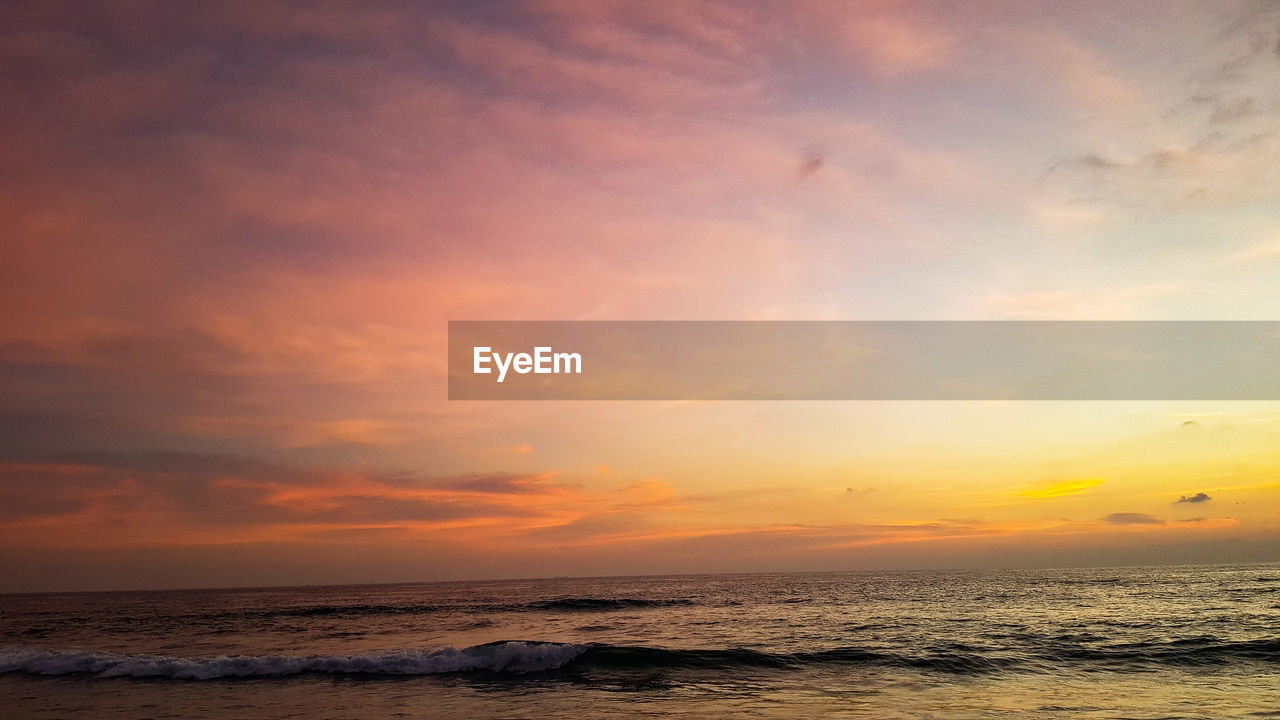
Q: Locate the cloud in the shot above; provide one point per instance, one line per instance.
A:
(1197, 498)
(503, 484)
(1084, 303)
(815, 157)
(1212, 145)
(174, 499)
(894, 46)
(1263, 250)
(1063, 489)
(182, 498)
(1128, 518)
(240, 227)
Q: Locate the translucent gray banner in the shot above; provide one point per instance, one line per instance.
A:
(878, 360)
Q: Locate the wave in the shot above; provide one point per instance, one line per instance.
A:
(569, 604)
(1188, 651)
(522, 657)
(578, 604)
(504, 657)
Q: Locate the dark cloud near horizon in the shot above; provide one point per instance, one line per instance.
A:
(1130, 518)
(1197, 498)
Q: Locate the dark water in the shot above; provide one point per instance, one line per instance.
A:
(1185, 642)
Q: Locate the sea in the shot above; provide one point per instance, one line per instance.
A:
(1156, 642)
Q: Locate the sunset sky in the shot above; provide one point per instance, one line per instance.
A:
(232, 236)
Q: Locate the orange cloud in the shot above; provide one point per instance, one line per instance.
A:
(176, 500)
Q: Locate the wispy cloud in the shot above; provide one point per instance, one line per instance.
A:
(1264, 250)
(1063, 488)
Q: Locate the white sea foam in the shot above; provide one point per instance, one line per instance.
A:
(515, 657)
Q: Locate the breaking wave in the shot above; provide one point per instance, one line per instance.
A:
(512, 657)
(535, 657)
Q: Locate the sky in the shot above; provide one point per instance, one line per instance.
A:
(233, 235)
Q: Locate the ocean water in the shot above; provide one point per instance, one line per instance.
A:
(1181, 642)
